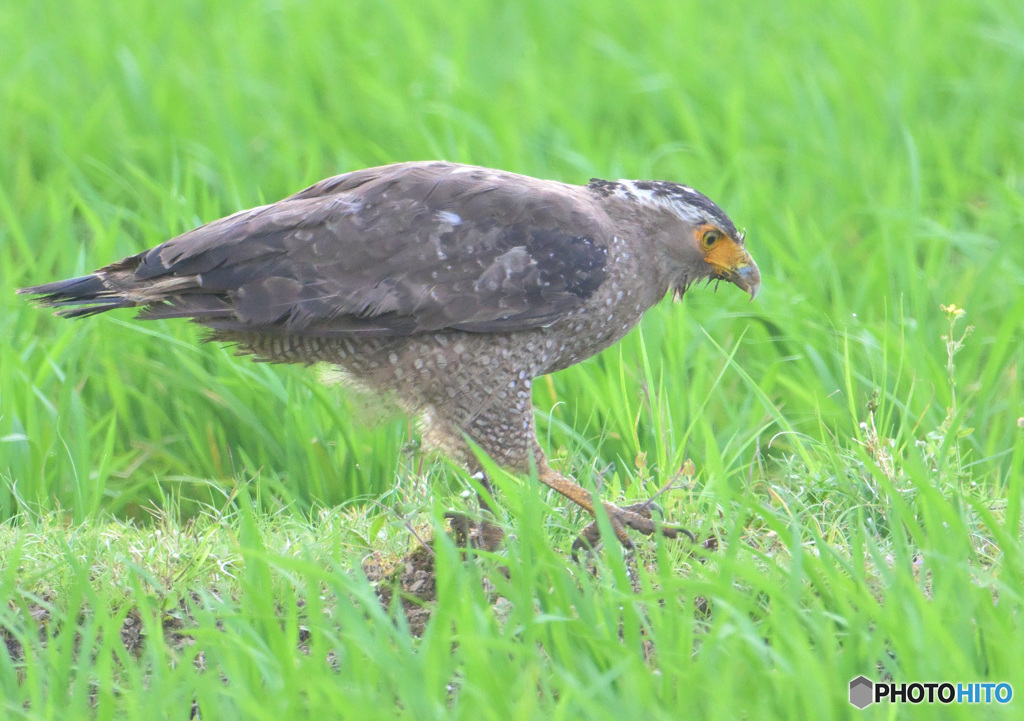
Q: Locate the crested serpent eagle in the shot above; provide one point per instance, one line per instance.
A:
(450, 286)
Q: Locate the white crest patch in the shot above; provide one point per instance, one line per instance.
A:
(627, 189)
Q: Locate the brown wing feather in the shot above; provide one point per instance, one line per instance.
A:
(384, 251)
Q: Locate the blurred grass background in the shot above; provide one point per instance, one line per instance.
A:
(875, 161)
(873, 151)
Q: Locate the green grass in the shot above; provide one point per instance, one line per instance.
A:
(864, 486)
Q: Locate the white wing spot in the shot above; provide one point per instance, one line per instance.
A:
(446, 216)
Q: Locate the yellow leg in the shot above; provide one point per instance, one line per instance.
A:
(637, 516)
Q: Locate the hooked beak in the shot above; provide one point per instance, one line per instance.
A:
(745, 275)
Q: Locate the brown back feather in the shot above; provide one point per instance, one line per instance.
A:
(384, 251)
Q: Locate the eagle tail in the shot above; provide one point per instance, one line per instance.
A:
(88, 291)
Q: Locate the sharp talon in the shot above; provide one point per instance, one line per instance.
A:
(637, 516)
(674, 531)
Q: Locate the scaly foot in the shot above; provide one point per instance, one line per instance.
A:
(637, 516)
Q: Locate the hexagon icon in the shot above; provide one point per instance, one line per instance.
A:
(861, 692)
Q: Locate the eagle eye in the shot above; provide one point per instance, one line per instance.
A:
(710, 237)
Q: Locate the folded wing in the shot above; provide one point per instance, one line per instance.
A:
(394, 250)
